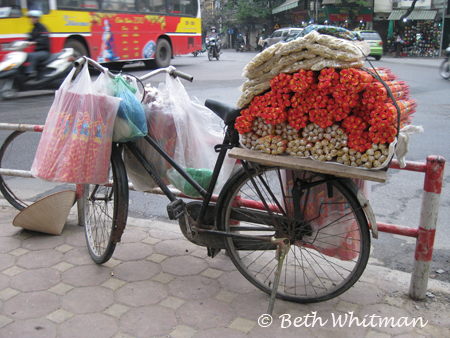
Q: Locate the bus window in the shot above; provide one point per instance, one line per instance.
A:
(10, 9)
(89, 4)
(38, 5)
(119, 5)
(78, 4)
(127, 6)
(185, 7)
(108, 6)
(144, 6)
(159, 6)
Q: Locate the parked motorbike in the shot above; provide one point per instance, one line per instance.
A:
(198, 52)
(240, 47)
(213, 49)
(50, 73)
(444, 69)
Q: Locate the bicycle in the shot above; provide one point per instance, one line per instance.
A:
(15, 189)
(444, 68)
(283, 228)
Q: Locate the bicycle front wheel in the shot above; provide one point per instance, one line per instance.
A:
(327, 231)
(444, 69)
(21, 192)
(105, 210)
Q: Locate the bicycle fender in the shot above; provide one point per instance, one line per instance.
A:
(369, 212)
(364, 202)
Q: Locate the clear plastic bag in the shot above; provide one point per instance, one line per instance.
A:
(198, 131)
(161, 128)
(75, 146)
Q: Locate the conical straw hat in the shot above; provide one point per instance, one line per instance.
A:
(48, 214)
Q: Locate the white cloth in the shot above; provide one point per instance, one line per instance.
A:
(403, 140)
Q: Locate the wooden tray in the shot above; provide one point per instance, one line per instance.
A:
(308, 164)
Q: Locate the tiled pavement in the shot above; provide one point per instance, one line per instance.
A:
(159, 284)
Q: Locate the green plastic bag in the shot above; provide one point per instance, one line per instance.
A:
(201, 176)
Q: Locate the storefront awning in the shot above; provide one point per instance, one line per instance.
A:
(396, 15)
(339, 2)
(288, 4)
(422, 15)
(415, 15)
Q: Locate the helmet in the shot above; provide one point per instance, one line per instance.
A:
(213, 29)
(240, 34)
(34, 14)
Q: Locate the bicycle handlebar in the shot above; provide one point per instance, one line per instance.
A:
(171, 70)
(185, 76)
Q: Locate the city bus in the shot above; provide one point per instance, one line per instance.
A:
(112, 32)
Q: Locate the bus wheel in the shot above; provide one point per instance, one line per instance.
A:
(163, 54)
(78, 47)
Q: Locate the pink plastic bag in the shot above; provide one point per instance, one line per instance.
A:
(75, 146)
(334, 229)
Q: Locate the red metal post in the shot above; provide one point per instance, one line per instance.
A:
(434, 175)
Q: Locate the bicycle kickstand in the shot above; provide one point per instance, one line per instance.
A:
(283, 247)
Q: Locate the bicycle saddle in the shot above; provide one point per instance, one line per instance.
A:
(225, 111)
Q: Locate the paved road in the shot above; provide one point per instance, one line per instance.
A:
(398, 201)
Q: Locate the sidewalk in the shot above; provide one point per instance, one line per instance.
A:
(160, 285)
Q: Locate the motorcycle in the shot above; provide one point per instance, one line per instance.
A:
(213, 51)
(240, 47)
(444, 69)
(50, 73)
(198, 52)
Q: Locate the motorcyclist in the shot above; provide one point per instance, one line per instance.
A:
(239, 41)
(39, 37)
(216, 35)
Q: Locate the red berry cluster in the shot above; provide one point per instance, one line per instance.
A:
(356, 129)
(350, 96)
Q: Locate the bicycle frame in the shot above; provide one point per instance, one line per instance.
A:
(206, 194)
(176, 207)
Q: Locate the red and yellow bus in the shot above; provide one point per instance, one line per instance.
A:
(109, 31)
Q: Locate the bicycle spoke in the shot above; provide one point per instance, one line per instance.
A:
(321, 263)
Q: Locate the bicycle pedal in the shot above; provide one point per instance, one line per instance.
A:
(176, 209)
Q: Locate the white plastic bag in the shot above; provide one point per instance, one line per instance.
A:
(76, 143)
(198, 131)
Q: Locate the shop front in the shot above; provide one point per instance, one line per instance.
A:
(420, 31)
(300, 17)
(338, 16)
(291, 13)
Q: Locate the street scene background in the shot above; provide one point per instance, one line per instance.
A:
(398, 201)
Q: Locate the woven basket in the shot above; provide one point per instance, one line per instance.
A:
(47, 215)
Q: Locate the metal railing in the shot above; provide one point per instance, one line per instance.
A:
(425, 233)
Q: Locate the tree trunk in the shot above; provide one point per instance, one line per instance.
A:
(401, 23)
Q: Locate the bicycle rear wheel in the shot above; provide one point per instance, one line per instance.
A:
(106, 210)
(327, 231)
(20, 192)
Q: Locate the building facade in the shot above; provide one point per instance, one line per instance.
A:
(426, 30)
